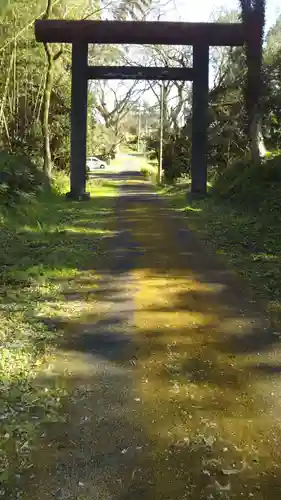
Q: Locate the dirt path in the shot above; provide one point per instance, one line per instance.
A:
(174, 376)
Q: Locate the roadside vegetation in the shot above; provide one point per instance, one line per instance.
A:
(45, 242)
(240, 219)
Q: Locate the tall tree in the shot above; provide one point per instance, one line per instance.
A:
(253, 15)
(52, 57)
(131, 9)
(273, 40)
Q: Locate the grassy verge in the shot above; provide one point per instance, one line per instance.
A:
(43, 244)
(149, 169)
(249, 239)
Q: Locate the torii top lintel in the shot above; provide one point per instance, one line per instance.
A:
(141, 32)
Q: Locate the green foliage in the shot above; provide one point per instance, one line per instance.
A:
(273, 38)
(227, 138)
(101, 142)
(272, 97)
(60, 142)
(24, 404)
(19, 178)
(23, 75)
(176, 154)
(152, 145)
(176, 157)
(42, 245)
(246, 234)
(246, 182)
(132, 140)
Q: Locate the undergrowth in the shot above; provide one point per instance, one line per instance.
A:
(20, 179)
(248, 183)
(241, 221)
(44, 241)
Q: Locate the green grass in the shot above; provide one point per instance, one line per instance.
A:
(149, 169)
(44, 244)
(249, 239)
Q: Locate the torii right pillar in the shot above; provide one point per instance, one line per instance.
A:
(199, 157)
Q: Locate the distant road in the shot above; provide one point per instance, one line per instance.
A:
(122, 164)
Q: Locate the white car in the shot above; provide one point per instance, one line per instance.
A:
(94, 163)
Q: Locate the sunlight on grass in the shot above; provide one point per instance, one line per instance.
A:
(79, 227)
(248, 239)
(44, 246)
(189, 208)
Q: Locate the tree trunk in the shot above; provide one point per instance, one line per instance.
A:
(253, 17)
(257, 146)
(6, 87)
(47, 167)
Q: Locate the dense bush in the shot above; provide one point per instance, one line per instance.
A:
(152, 146)
(176, 157)
(60, 142)
(132, 140)
(101, 141)
(247, 182)
(176, 154)
(107, 154)
(19, 177)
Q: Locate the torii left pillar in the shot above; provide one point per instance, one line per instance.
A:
(79, 104)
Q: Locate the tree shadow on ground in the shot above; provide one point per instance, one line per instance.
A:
(162, 404)
(105, 448)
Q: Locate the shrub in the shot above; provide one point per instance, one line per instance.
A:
(60, 183)
(19, 177)
(176, 154)
(132, 140)
(176, 157)
(248, 182)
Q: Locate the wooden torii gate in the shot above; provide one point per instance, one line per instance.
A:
(200, 35)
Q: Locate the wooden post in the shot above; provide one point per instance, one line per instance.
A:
(160, 165)
(79, 102)
(200, 119)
